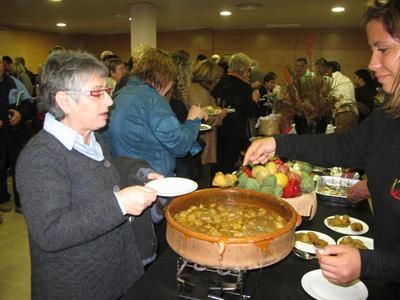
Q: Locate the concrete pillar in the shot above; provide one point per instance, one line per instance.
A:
(143, 25)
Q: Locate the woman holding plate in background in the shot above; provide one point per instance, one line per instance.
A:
(205, 76)
(81, 243)
(188, 166)
(373, 146)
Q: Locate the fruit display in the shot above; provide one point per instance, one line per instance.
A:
(287, 180)
(224, 181)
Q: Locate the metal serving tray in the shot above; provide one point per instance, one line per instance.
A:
(333, 190)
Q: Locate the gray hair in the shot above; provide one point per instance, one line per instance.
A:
(239, 63)
(67, 71)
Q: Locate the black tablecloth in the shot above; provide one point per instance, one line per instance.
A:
(279, 281)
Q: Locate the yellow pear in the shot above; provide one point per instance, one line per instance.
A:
(271, 167)
(219, 180)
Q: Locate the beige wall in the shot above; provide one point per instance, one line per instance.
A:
(272, 48)
(118, 43)
(32, 46)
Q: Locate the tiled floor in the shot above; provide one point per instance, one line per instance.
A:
(15, 265)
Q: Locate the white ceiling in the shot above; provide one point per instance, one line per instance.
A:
(111, 16)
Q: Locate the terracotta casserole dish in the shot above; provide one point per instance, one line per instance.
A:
(242, 253)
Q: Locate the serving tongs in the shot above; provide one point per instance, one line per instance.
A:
(239, 168)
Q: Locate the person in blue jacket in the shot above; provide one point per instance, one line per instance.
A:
(142, 123)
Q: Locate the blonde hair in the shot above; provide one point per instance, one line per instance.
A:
(18, 69)
(206, 73)
(139, 51)
(156, 68)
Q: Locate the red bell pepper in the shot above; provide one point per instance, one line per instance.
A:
(296, 176)
(247, 170)
(278, 162)
(292, 189)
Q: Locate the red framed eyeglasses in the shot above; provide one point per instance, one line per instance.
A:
(94, 93)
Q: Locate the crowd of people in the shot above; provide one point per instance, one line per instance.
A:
(108, 127)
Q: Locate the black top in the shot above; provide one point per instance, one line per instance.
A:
(235, 93)
(366, 95)
(374, 146)
(6, 84)
(188, 166)
(179, 108)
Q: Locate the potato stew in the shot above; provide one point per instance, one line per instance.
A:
(232, 221)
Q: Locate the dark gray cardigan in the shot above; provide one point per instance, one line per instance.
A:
(82, 247)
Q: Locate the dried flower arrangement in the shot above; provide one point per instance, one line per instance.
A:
(309, 98)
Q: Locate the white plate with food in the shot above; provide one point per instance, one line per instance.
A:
(172, 186)
(204, 127)
(305, 240)
(356, 226)
(360, 242)
(318, 287)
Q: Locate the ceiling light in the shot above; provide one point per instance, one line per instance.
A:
(225, 13)
(249, 6)
(55, 0)
(61, 24)
(338, 9)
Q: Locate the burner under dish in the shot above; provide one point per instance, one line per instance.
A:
(200, 282)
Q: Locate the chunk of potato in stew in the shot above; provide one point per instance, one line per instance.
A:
(234, 221)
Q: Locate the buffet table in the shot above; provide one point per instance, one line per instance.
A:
(279, 281)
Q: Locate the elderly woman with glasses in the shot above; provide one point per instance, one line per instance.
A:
(81, 243)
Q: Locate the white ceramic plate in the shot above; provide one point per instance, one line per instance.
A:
(204, 127)
(347, 230)
(309, 247)
(368, 242)
(318, 287)
(172, 186)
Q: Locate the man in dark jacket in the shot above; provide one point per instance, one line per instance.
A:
(15, 108)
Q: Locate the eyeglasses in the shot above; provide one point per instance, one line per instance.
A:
(94, 93)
